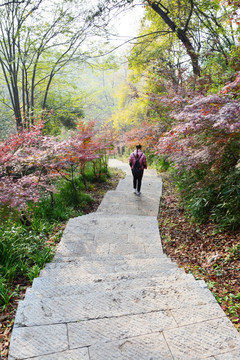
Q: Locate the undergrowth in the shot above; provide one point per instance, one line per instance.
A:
(28, 239)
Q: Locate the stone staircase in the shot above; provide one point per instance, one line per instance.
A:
(112, 294)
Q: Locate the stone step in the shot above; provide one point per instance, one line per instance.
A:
(149, 186)
(102, 237)
(93, 289)
(64, 309)
(44, 343)
(87, 249)
(120, 165)
(126, 168)
(109, 261)
(110, 235)
(40, 288)
(122, 282)
(104, 259)
(109, 332)
(92, 276)
(112, 223)
(94, 267)
(118, 202)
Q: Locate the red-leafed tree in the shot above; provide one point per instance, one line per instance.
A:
(147, 135)
(207, 128)
(204, 148)
(104, 140)
(20, 177)
(30, 162)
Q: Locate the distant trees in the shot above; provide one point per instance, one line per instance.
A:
(37, 39)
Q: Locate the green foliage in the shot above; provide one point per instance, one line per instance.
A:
(159, 163)
(226, 209)
(231, 304)
(46, 215)
(234, 253)
(7, 125)
(20, 249)
(97, 173)
(65, 106)
(6, 294)
(216, 72)
(217, 199)
(24, 240)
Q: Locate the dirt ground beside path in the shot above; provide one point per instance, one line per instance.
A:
(200, 250)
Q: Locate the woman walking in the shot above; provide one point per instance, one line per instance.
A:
(138, 163)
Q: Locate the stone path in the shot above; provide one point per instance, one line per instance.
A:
(111, 293)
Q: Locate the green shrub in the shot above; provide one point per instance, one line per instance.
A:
(6, 293)
(160, 163)
(211, 198)
(226, 210)
(20, 249)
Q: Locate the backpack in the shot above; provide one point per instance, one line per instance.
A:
(137, 167)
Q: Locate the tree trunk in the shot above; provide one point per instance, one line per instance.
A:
(190, 51)
(181, 34)
(47, 90)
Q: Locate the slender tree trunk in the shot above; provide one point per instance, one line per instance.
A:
(27, 98)
(47, 90)
(82, 167)
(74, 186)
(32, 103)
(23, 99)
(52, 199)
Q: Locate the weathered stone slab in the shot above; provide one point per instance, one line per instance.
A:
(86, 333)
(39, 340)
(144, 347)
(149, 185)
(108, 260)
(116, 202)
(112, 223)
(80, 278)
(195, 314)
(110, 235)
(131, 248)
(42, 286)
(170, 276)
(44, 311)
(78, 354)
(202, 340)
(42, 289)
(85, 249)
(103, 258)
(232, 355)
(96, 268)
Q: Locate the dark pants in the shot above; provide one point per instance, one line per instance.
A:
(137, 180)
